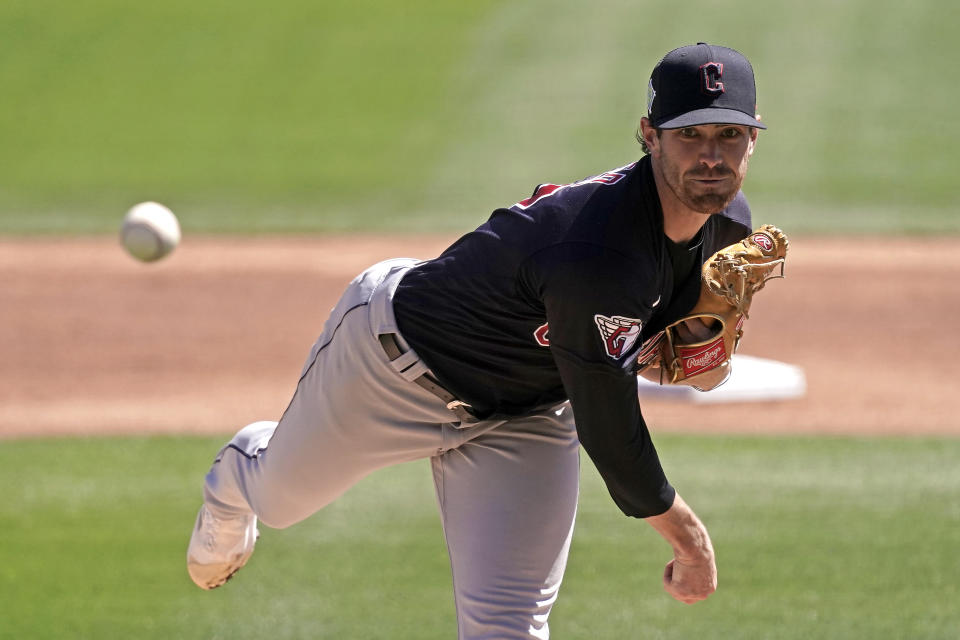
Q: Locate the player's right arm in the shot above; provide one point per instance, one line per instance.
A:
(692, 574)
(609, 422)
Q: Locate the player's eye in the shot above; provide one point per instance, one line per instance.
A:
(688, 132)
(730, 132)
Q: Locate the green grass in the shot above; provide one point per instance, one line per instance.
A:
(815, 538)
(379, 115)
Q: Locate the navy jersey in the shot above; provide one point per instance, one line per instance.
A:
(552, 299)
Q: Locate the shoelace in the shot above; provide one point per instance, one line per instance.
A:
(211, 527)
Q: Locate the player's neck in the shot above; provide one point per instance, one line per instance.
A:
(682, 225)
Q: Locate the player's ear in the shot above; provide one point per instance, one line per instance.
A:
(649, 134)
(754, 136)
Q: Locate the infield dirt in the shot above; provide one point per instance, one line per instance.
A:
(213, 337)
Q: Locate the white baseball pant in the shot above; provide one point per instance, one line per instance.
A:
(507, 489)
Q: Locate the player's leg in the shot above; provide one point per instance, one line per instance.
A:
(508, 500)
(352, 413)
(222, 542)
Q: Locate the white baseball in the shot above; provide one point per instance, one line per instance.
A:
(150, 231)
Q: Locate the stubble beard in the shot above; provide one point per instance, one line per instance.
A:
(712, 203)
(707, 203)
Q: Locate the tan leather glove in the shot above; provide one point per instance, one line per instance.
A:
(696, 349)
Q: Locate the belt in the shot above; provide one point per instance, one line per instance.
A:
(460, 408)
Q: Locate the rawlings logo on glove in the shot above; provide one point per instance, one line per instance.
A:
(696, 349)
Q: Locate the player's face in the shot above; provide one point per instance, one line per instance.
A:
(704, 165)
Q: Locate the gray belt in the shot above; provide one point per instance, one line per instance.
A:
(461, 409)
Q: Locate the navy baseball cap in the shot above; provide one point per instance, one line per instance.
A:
(702, 84)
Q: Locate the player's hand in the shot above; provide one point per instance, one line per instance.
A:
(695, 330)
(690, 581)
(692, 574)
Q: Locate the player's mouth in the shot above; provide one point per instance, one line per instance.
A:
(710, 182)
(712, 179)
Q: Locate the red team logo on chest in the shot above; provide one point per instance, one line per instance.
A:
(619, 333)
(542, 335)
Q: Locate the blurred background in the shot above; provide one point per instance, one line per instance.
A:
(310, 119)
(370, 114)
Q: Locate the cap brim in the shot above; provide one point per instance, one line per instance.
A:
(709, 116)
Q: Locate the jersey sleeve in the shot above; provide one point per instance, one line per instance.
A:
(596, 303)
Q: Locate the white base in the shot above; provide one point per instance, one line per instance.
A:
(752, 380)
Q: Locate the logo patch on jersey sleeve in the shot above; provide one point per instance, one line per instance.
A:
(619, 333)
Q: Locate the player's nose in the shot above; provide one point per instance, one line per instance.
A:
(710, 154)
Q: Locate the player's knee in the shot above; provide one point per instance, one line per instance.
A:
(254, 437)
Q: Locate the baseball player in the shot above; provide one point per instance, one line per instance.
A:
(497, 359)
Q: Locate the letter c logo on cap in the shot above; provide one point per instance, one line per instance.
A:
(710, 75)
